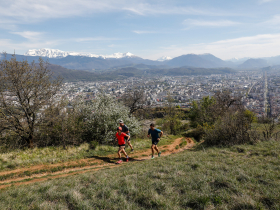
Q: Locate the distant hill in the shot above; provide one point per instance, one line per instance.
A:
(72, 75)
(123, 60)
(273, 60)
(80, 62)
(254, 63)
(80, 75)
(199, 61)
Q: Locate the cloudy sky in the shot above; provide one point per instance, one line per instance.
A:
(147, 28)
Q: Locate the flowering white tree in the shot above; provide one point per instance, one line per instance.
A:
(102, 117)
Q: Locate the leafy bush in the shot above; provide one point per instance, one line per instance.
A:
(222, 120)
(102, 116)
(93, 145)
(196, 133)
(230, 129)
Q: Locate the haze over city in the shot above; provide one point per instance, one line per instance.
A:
(149, 29)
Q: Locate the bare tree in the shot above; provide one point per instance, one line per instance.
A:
(24, 90)
(225, 101)
(135, 100)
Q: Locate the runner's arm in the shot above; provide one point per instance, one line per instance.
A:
(161, 133)
(128, 137)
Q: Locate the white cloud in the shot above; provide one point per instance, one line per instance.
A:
(30, 11)
(207, 23)
(273, 21)
(133, 10)
(88, 39)
(31, 35)
(264, 1)
(155, 9)
(35, 10)
(263, 45)
(144, 32)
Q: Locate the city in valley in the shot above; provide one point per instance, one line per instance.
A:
(259, 90)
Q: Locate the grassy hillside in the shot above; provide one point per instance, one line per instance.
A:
(240, 177)
(50, 155)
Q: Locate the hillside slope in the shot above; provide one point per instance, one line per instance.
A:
(240, 177)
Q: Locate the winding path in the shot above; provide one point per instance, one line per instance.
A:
(41, 173)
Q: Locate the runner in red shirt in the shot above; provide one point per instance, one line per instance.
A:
(121, 141)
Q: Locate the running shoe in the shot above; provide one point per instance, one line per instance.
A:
(159, 154)
(132, 150)
(120, 161)
(127, 159)
(152, 157)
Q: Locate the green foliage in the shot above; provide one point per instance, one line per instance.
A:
(93, 145)
(85, 122)
(197, 133)
(222, 120)
(201, 112)
(102, 116)
(250, 116)
(171, 125)
(230, 129)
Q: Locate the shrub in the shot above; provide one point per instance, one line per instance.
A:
(196, 133)
(102, 116)
(93, 145)
(222, 120)
(230, 129)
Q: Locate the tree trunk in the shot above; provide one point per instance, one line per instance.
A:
(30, 141)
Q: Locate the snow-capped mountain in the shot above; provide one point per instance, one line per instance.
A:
(54, 53)
(235, 59)
(164, 58)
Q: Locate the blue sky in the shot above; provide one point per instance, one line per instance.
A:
(146, 28)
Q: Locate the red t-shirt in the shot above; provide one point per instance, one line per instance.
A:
(120, 138)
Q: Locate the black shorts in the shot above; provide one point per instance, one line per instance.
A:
(155, 142)
(126, 138)
(121, 147)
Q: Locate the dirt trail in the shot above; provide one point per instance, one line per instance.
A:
(45, 172)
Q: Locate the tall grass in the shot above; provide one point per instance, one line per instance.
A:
(240, 177)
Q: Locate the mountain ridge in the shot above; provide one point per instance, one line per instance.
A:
(55, 53)
(94, 62)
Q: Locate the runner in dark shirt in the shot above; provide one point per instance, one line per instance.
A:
(154, 132)
(126, 131)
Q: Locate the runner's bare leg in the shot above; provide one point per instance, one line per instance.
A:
(153, 151)
(129, 144)
(156, 148)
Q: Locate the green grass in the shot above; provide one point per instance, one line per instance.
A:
(183, 143)
(239, 177)
(51, 155)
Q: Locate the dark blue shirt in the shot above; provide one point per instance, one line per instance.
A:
(154, 133)
(124, 128)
